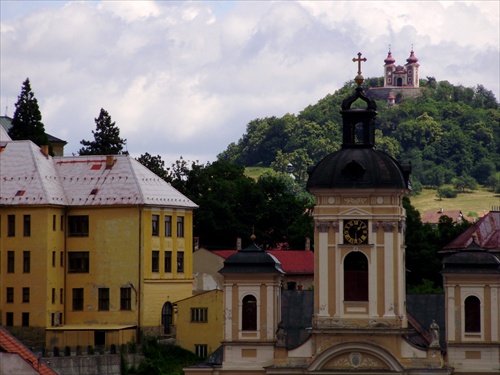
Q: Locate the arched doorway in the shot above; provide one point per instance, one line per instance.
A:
(166, 317)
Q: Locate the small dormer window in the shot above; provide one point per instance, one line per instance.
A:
(94, 191)
(20, 193)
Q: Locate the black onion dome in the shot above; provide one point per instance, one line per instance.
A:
(358, 168)
(251, 260)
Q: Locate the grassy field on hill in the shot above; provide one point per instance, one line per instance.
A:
(475, 202)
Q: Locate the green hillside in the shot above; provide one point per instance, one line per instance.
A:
(449, 133)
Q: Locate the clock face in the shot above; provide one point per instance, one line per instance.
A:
(356, 231)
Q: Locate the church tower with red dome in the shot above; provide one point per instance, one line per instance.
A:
(399, 75)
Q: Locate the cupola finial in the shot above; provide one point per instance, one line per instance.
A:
(359, 78)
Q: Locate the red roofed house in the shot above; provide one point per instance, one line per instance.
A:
(15, 358)
(297, 264)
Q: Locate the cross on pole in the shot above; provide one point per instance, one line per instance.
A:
(359, 59)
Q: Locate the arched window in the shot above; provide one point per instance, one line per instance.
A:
(472, 307)
(249, 314)
(399, 81)
(355, 277)
(166, 317)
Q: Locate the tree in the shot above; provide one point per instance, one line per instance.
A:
(107, 139)
(155, 164)
(27, 121)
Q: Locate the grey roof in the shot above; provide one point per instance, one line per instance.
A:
(297, 309)
(6, 124)
(357, 168)
(472, 259)
(252, 259)
(427, 307)
(28, 176)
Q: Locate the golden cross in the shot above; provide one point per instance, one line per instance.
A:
(359, 59)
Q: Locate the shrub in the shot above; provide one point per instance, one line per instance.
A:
(446, 192)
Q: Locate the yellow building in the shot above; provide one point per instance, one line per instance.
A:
(200, 320)
(94, 250)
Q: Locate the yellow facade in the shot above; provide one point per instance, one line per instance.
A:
(91, 274)
(200, 321)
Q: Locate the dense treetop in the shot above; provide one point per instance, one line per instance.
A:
(448, 132)
(107, 139)
(27, 121)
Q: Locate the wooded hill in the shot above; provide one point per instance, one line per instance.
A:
(449, 133)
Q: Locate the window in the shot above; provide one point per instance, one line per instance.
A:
(78, 226)
(155, 261)
(201, 350)
(10, 262)
(472, 309)
(9, 319)
(166, 317)
(154, 225)
(125, 298)
(168, 261)
(180, 261)
(249, 314)
(103, 299)
(180, 226)
(355, 277)
(77, 299)
(10, 295)
(168, 226)
(199, 314)
(62, 223)
(27, 225)
(78, 262)
(61, 259)
(53, 259)
(25, 319)
(53, 295)
(11, 225)
(61, 298)
(54, 224)
(26, 295)
(26, 261)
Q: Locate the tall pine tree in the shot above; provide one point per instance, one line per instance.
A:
(27, 121)
(107, 139)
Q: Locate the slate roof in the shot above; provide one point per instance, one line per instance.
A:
(6, 124)
(10, 344)
(486, 233)
(293, 262)
(252, 259)
(421, 310)
(28, 176)
(297, 309)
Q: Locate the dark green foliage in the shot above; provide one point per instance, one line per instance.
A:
(423, 242)
(164, 359)
(231, 204)
(27, 121)
(154, 163)
(107, 139)
(446, 192)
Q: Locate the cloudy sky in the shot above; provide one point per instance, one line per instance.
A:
(186, 77)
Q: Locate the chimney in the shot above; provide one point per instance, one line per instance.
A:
(110, 161)
(45, 150)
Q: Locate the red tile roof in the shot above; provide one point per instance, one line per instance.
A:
(432, 217)
(292, 261)
(10, 344)
(486, 233)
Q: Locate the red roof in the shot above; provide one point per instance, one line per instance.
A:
(433, 217)
(292, 261)
(486, 233)
(10, 344)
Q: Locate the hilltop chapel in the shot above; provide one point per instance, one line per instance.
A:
(360, 322)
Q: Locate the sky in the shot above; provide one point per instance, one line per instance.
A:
(184, 78)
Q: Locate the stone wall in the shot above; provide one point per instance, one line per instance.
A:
(107, 364)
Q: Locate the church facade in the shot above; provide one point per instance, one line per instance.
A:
(360, 323)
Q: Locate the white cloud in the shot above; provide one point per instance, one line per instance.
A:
(185, 78)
